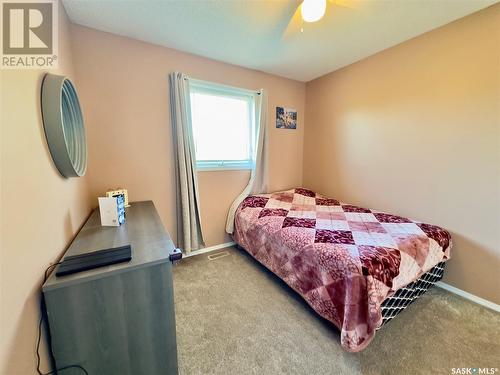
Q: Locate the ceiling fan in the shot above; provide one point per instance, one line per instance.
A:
(309, 11)
(312, 10)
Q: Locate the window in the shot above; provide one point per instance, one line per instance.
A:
(223, 126)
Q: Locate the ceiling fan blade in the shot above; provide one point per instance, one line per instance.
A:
(350, 4)
(294, 26)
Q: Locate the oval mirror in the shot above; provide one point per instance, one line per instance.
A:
(63, 124)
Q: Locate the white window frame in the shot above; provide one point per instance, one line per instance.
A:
(228, 91)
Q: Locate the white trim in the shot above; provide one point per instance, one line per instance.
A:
(440, 284)
(201, 84)
(469, 296)
(215, 169)
(209, 249)
(220, 165)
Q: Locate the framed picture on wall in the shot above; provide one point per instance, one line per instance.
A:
(286, 118)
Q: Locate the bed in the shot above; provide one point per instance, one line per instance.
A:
(357, 268)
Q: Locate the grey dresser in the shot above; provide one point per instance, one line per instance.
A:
(117, 319)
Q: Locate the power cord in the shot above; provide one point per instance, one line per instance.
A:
(39, 338)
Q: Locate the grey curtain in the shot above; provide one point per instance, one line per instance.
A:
(259, 176)
(189, 231)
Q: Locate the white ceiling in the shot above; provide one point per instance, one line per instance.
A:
(257, 34)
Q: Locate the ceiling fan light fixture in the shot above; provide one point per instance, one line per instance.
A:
(313, 10)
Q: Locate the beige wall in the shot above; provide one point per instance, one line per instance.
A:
(40, 210)
(414, 130)
(123, 85)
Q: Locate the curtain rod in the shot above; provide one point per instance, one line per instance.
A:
(219, 84)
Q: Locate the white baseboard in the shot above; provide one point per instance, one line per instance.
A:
(440, 284)
(209, 249)
(469, 296)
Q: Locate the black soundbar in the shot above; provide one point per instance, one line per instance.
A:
(94, 259)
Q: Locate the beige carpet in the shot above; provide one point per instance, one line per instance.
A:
(235, 317)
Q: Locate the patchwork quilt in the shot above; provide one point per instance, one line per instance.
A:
(342, 259)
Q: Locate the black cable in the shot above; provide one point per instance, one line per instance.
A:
(63, 368)
(39, 338)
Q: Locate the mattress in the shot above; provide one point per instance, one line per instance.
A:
(345, 261)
